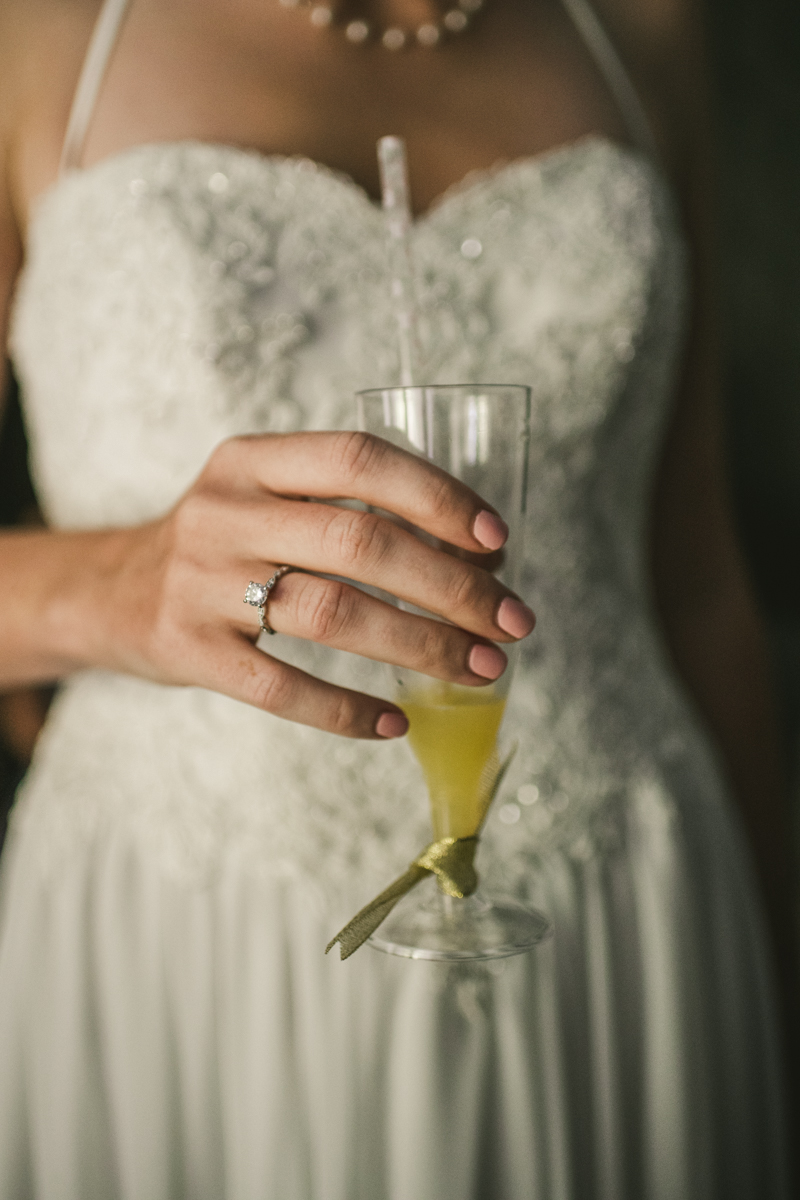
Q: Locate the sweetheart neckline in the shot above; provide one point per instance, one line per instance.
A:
(469, 182)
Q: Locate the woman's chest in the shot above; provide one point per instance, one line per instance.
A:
(179, 294)
(260, 76)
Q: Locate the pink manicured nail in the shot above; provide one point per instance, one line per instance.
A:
(487, 661)
(490, 530)
(391, 725)
(515, 618)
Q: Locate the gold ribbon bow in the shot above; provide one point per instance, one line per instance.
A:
(451, 860)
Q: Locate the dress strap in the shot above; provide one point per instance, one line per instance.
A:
(98, 53)
(112, 14)
(613, 70)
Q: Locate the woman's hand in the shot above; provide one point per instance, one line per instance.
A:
(167, 597)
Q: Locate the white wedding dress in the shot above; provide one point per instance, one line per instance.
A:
(169, 1024)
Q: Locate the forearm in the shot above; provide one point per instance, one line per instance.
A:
(720, 651)
(52, 618)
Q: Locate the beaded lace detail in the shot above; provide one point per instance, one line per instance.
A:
(177, 294)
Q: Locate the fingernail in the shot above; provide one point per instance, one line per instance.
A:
(487, 661)
(391, 725)
(515, 618)
(490, 530)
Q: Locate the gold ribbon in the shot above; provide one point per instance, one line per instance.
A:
(451, 860)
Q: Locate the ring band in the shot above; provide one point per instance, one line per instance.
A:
(258, 595)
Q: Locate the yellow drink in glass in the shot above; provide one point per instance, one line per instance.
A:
(453, 733)
(478, 433)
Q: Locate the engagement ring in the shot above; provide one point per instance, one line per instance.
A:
(258, 595)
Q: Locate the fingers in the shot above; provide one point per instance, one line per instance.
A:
(242, 515)
(233, 666)
(367, 468)
(338, 615)
(367, 548)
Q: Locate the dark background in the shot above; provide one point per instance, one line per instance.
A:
(755, 48)
(755, 59)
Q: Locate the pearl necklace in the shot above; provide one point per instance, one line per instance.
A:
(455, 20)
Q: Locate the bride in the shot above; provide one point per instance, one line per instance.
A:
(192, 297)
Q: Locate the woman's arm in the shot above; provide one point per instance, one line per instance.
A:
(164, 600)
(10, 240)
(711, 621)
(718, 645)
(704, 597)
(22, 711)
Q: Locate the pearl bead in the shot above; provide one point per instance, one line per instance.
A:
(394, 39)
(321, 16)
(428, 35)
(357, 32)
(455, 20)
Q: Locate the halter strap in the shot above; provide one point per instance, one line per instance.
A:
(112, 14)
(98, 53)
(615, 73)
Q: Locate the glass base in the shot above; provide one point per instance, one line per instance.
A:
(427, 924)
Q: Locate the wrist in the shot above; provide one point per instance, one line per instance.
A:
(80, 599)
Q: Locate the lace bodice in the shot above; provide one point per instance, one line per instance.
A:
(177, 294)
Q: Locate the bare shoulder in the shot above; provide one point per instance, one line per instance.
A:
(14, 22)
(656, 26)
(32, 30)
(662, 42)
(42, 44)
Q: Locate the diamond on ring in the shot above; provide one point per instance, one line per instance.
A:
(257, 594)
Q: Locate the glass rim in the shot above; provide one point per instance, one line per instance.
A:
(421, 387)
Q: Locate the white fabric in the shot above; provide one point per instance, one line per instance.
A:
(257, 288)
(169, 1025)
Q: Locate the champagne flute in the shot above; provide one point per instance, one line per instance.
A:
(479, 434)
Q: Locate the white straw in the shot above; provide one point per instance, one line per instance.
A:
(397, 207)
